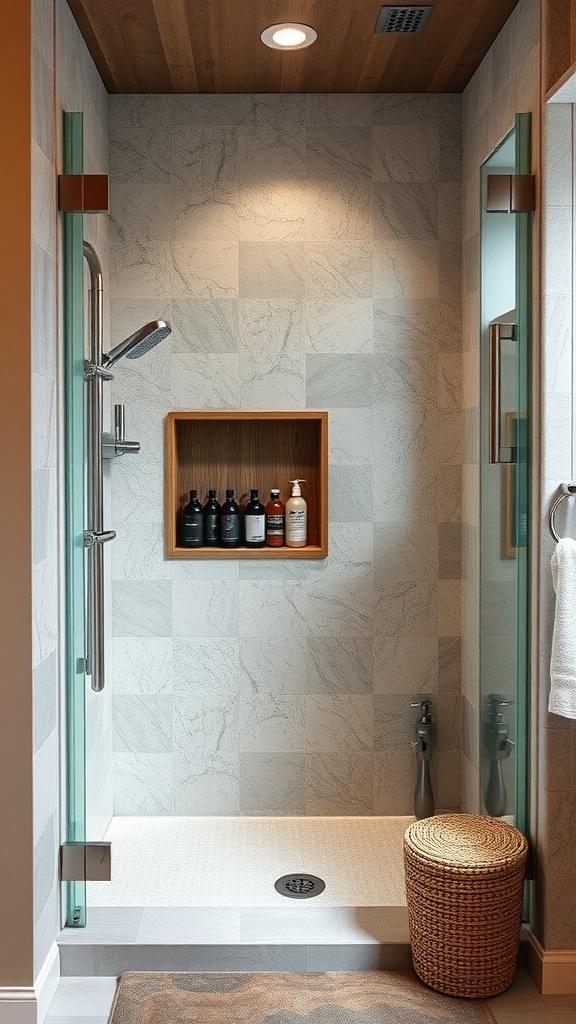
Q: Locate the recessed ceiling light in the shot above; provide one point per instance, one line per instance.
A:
(289, 36)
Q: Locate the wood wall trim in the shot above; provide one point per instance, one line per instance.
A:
(558, 26)
(16, 849)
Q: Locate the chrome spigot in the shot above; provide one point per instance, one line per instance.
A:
(423, 744)
(425, 729)
(113, 446)
(496, 730)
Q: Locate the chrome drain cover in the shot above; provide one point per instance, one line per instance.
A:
(299, 886)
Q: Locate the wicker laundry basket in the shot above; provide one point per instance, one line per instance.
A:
(464, 877)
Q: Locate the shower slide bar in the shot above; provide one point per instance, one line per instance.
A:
(567, 491)
(101, 446)
(95, 535)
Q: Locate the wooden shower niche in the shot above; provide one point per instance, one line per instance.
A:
(243, 450)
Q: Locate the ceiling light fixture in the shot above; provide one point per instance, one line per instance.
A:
(289, 36)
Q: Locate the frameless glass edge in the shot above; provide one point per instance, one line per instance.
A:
(524, 307)
(73, 261)
(519, 161)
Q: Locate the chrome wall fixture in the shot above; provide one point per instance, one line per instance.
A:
(116, 444)
(101, 446)
(95, 536)
(567, 491)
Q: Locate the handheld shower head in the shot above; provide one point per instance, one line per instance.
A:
(139, 343)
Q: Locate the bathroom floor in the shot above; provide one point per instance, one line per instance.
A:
(234, 862)
(88, 1001)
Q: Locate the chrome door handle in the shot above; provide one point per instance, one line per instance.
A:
(497, 452)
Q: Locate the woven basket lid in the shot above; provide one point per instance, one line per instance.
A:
(466, 840)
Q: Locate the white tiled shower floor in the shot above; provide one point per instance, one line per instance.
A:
(230, 862)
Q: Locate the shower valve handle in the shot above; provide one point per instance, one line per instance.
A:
(119, 423)
(112, 446)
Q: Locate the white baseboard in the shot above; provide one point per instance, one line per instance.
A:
(18, 1006)
(29, 1004)
(552, 970)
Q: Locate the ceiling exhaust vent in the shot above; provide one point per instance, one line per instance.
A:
(400, 19)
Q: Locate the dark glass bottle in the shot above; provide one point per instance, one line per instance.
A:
(211, 520)
(254, 519)
(275, 513)
(229, 522)
(192, 523)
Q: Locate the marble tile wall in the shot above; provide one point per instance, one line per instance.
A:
(60, 57)
(306, 250)
(556, 737)
(506, 82)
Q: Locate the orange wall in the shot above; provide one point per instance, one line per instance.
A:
(16, 854)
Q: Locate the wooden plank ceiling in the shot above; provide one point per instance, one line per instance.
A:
(213, 46)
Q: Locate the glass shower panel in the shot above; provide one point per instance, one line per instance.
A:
(72, 224)
(504, 378)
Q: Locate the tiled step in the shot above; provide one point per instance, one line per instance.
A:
(292, 938)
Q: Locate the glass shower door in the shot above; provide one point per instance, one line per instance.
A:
(504, 490)
(72, 225)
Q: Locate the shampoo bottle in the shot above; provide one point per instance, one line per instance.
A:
(211, 520)
(254, 516)
(192, 523)
(229, 522)
(296, 511)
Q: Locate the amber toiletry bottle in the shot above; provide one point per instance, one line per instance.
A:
(275, 520)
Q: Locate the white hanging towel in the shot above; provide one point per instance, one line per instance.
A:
(563, 660)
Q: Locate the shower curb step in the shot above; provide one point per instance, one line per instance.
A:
(302, 938)
(100, 960)
(118, 939)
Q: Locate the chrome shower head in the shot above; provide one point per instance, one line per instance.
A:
(139, 343)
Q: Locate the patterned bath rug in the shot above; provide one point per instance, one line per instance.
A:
(358, 997)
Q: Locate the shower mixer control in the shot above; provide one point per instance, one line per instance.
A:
(115, 445)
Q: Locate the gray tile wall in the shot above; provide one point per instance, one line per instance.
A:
(306, 251)
(61, 56)
(506, 82)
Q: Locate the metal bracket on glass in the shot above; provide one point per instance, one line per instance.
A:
(510, 193)
(499, 452)
(85, 862)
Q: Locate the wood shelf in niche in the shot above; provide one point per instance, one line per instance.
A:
(243, 450)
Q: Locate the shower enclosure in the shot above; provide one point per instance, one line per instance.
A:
(344, 719)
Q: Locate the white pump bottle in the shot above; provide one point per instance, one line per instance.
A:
(296, 515)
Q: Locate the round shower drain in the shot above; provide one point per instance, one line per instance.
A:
(299, 887)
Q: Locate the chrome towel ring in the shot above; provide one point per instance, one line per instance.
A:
(567, 490)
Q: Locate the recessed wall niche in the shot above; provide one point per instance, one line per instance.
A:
(243, 450)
